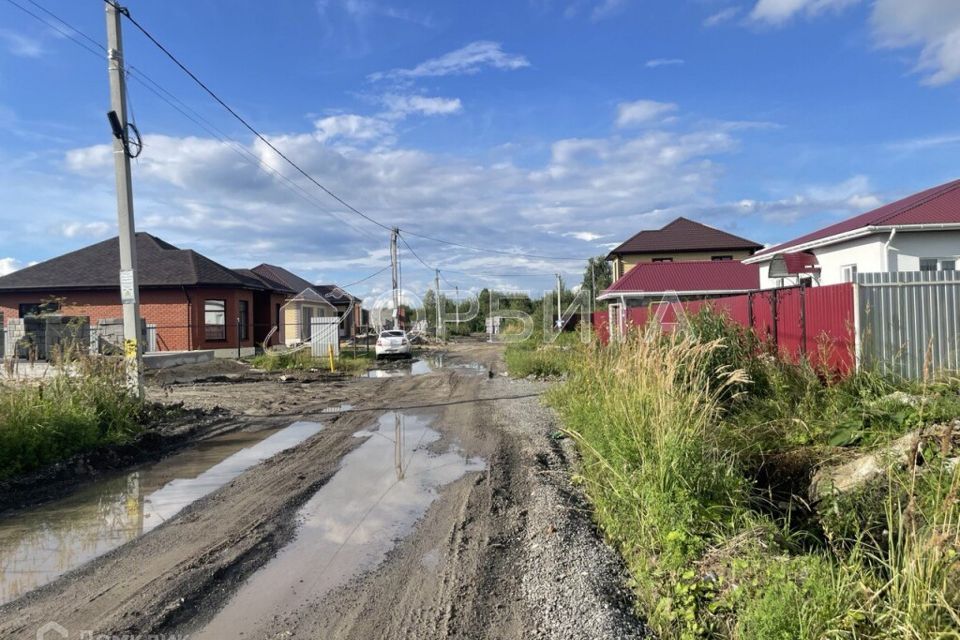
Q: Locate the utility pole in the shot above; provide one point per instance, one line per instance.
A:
(458, 307)
(129, 284)
(559, 312)
(436, 284)
(593, 289)
(395, 272)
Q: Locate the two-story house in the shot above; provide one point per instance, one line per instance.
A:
(685, 258)
(682, 240)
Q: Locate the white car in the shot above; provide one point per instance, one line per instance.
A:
(393, 342)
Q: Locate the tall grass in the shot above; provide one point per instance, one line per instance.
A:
(671, 430)
(84, 404)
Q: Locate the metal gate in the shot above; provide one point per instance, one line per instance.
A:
(324, 334)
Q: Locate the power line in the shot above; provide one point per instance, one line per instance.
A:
(65, 34)
(497, 251)
(372, 275)
(239, 148)
(183, 108)
(303, 172)
(243, 121)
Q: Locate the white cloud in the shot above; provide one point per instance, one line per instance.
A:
(663, 62)
(929, 142)
(403, 105)
(86, 229)
(607, 8)
(722, 16)
(467, 60)
(642, 112)
(933, 25)
(8, 265)
(21, 45)
(852, 196)
(352, 127)
(198, 193)
(586, 236)
(777, 12)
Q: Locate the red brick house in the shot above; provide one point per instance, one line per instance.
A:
(194, 302)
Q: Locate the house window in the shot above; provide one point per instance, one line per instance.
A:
(849, 272)
(662, 260)
(721, 258)
(215, 319)
(244, 315)
(38, 308)
(938, 264)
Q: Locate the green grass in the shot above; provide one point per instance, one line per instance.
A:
(303, 360)
(535, 357)
(88, 407)
(673, 432)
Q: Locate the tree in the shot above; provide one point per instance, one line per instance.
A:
(598, 275)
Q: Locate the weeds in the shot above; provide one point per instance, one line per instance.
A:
(303, 360)
(85, 404)
(672, 433)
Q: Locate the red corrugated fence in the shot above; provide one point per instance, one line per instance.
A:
(812, 322)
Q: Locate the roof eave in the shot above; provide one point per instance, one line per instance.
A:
(613, 295)
(852, 235)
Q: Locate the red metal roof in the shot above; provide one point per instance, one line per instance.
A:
(688, 276)
(934, 206)
(684, 235)
(799, 263)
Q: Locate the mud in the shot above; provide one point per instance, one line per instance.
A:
(491, 545)
(44, 542)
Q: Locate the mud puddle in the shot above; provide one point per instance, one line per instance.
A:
(40, 544)
(383, 487)
(427, 365)
(415, 368)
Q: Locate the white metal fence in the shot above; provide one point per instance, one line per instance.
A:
(324, 335)
(908, 323)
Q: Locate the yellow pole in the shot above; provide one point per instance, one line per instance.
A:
(330, 353)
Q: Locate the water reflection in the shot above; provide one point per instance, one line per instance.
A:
(40, 544)
(380, 491)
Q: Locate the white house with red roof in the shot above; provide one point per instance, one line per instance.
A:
(918, 233)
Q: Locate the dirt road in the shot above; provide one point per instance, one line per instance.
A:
(433, 506)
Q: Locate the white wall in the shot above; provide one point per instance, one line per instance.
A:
(908, 248)
(867, 253)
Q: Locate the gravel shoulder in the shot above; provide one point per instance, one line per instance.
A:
(509, 552)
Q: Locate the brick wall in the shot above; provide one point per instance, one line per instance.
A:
(166, 308)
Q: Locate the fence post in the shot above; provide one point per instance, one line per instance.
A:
(238, 338)
(803, 317)
(750, 310)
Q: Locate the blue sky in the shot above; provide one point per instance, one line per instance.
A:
(548, 127)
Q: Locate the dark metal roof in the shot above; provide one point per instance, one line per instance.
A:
(938, 205)
(159, 264)
(688, 276)
(684, 235)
